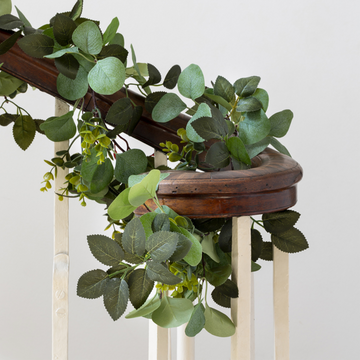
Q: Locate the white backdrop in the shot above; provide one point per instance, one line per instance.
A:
(307, 54)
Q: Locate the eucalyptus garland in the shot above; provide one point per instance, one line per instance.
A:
(161, 250)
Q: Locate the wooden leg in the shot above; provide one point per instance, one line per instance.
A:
(281, 305)
(159, 342)
(185, 345)
(60, 300)
(241, 308)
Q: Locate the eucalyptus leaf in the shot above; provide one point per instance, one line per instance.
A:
(172, 312)
(208, 128)
(254, 128)
(67, 65)
(191, 82)
(249, 104)
(258, 147)
(224, 89)
(208, 247)
(107, 76)
(263, 97)
(290, 241)
(106, 250)
(116, 296)
(73, 89)
(147, 220)
(121, 208)
(37, 45)
(202, 111)
(147, 308)
(280, 123)
(131, 162)
(218, 99)
(24, 131)
(168, 108)
(246, 86)
(218, 155)
(111, 30)
(5, 7)
(196, 322)
(237, 149)
(88, 38)
(134, 238)
(154, 76)
(22, 17)
(152, 99)
(223, 293)
(140, 287)
(76, 10)
(59, 128)
(62, 52)
(10, 22)
(63, 29)
(91, 285)
(7, 44)
(278, 146)
(120, 112)
(135, 119)
(217, 323)
(172, 77)
(114, 50)
(8, 84)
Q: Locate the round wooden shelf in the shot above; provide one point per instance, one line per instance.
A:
(269, 186)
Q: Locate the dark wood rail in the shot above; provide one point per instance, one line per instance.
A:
(270, 185)
(42, 74)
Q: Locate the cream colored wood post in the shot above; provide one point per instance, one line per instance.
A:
(281, 305)
(242, 342)
(185, 348)
(159, 338)
(60, 293)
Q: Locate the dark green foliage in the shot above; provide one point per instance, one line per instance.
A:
(140, 287)
(92, 284)
(36, 45)
(223, 293)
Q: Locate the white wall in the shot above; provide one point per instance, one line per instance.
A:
(307, 53)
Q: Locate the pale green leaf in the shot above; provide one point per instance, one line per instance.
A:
(196, 322)
(202, 111)
(254, 127)
(131, 162)
(88, 38)
(217, 323)
(191, 82)
(120, 208)
(147, 308)
(8, 84)
(111, 30)
(59, 128)
(73, 89)
(5, 7)
(168, 108)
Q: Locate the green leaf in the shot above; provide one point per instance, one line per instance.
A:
(263, 97)
(91, 285)
(160, 273)
(135, 119)
(219, 100)
(106, 250)
(63, 29)
(218, 155)
(202, 111)
(24, 131)
(183, 247)
(152, 99)
(172, 77)
(257, 148)
(255, 266)
(68, 66)
(161, 223)
(254, 127)
(8, 84)
(191, 82)
(134, 238)
(267, 251)
(111, 30)
(290, 241)
(107, 76)
(5, 7)
(76, 10)
(225, 237)
(114, 50)
(22, 17)
(280, 123)
(37, 45)
(140, 287)
(147, 308)
(196, 322)
(121, 208)
(6, 119)
(131, 162)
(237, 149)
(208, 247)
(161, 245)
(249, 104)
(145, 190)
(59, 128)
(73, 89)
(88, 38)
(208, 128)
(154, 76)
(223, 294)
(172, 312)
(120, 112)
(147, 220)
(278, 146)
(116, 296)
(256, 244)
(118, 40)
(280, 221)
(246, 86)
(10, 22)
(217, 323)
(9, 42)
(97, 177)
(168, 108)
(224, 89)
(194, 255)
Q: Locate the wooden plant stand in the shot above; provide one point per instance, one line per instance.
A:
(268, 187)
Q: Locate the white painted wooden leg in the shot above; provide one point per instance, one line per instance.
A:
(159, 338)
(60, 299)
(159, 342)
(241, 308)
(281, 304)
(185, 349)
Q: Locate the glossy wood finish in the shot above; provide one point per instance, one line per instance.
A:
(267, 187)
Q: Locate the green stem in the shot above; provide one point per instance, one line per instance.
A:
(258, 222)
